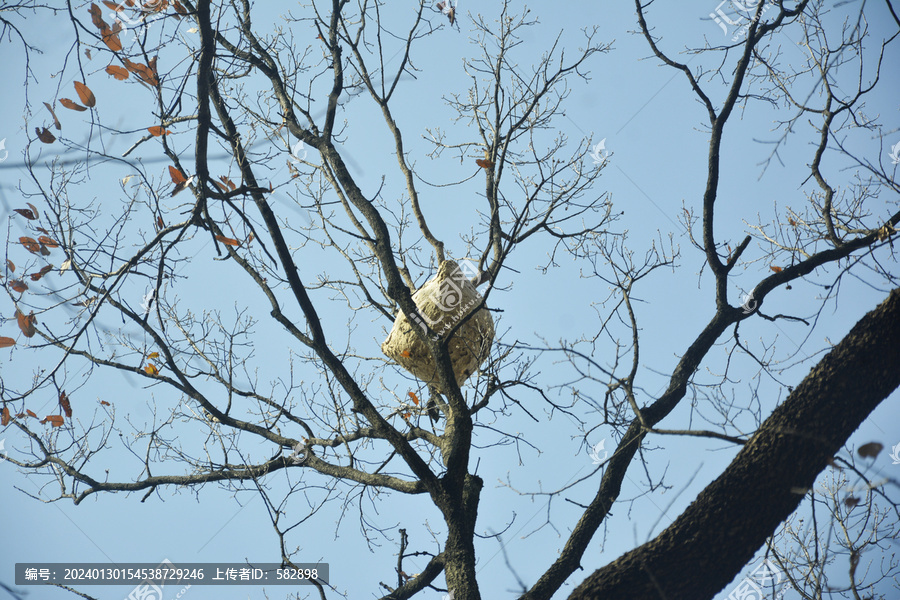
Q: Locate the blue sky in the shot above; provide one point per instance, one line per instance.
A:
(656, 133)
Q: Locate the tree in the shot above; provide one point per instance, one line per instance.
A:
(333, 420)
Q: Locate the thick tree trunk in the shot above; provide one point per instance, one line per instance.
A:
(703, 550)
(459, 564)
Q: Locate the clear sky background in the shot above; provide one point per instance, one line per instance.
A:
(656, 132)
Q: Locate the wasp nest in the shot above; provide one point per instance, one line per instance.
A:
(442, 303)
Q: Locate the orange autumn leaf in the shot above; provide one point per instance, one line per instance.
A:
(48, 241)
(26, 324)
(777, 269)
(414, 398)
(117, 72)
(105, 403)
(44, 135)
(86, 95)
(176, 175)
(4, 420)
(153, 355)
(41, 273)
(151, 369)
(71, 105)
(18, 285)
(406, 415)
(30, 413)
(227, 240)
(181, 10)
(158, 131)
(64, 403)
(55, 420)
(228, 182)
(485, 163)
(11, 265)
(6, 342)
(160, 223)
(405, 353)
(113, 6)
(97, 16)
(56, 122)
(30, 244)
(111, 39)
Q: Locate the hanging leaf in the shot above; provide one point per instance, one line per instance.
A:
(4, 419)
(111, 39)
(18, 285)
(485, 163)
(30, 413)
(30, 244)
(160, 223)
(6, 342)
(26, 213)
(153, 355)
(151, 369)
(48, 241)
(65, 266)
(26, 324)
(414, 398)
(105, 403)
(11, 265)
(145, 72)
(44, 135)
(64, 403)
(86, 95)
(870, 450)
(97, 16)
(117, 72)
(55, 420)
(227, 240)
(181, 10)
(777, 269)
(56, 122)
(249, 238)
(158, 131)
(176, 175)
(71, 105)
(41, 273)
(228, 182)
(44, 250)
(113, 6)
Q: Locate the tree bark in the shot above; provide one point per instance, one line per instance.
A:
(706, 547)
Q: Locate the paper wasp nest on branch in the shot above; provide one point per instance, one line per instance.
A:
(442, 303)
